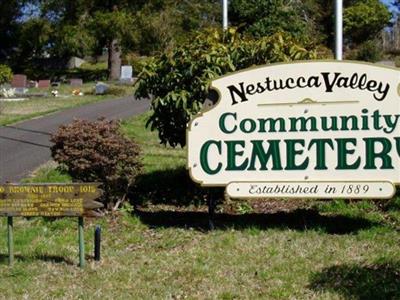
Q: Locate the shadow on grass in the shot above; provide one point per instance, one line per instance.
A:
(376, 281)
(31, 258)
(172, 186)
(175, 187)
(299, 219)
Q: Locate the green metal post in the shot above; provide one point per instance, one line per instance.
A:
(10, 240)
(81, 243)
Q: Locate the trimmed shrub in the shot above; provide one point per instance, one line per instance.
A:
(178, 82)
(6, 74)
(98, 152)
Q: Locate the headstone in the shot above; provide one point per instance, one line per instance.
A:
(19, 81)
(56, 84)
(75, 62)
(32, 84)
(20, 91)
(126, 74)
(76, 82)
(101, 88)
(44, 84)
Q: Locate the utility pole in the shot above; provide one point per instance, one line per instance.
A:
(339, 29)
(224, 14)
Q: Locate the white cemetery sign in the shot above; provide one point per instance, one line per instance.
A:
(317, 129)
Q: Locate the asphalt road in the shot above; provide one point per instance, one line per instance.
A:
(25, 146)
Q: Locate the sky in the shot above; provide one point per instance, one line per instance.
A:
(387, 2)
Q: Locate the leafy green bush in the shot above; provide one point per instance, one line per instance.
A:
(262, 18)
(324, 52)
(397, 61)
(179, 81)
(136, 61)
(369, 51)
(5, 74)
(364, 20)
(97, 151)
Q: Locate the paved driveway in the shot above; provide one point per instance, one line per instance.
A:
(25, 146)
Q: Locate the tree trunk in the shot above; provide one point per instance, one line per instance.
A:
(114, 60)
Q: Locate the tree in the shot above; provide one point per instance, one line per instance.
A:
(311, 19)
(263, 18)
(59, 29)
(161, 26)
(113, 28)
(107, 25)
(35, 38)
(72, 40)
(179, 80)
(10, 12)
(87, 26)
(364, 20)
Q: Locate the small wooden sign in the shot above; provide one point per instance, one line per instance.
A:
(49, 200)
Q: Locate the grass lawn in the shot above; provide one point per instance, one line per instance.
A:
(15, 111)
(259, 250)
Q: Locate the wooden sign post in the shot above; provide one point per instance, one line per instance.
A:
(49, 200)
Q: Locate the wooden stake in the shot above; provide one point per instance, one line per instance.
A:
(81, 243)
(211, 211)
(97, 243)
(10, 227)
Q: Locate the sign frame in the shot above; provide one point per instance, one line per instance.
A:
(208, 105)
(87, 211)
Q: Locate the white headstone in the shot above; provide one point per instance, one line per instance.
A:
(75, 62)
(126, 73)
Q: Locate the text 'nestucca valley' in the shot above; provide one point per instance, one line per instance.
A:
(329, 81)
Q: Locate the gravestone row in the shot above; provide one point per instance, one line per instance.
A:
(20, 81)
